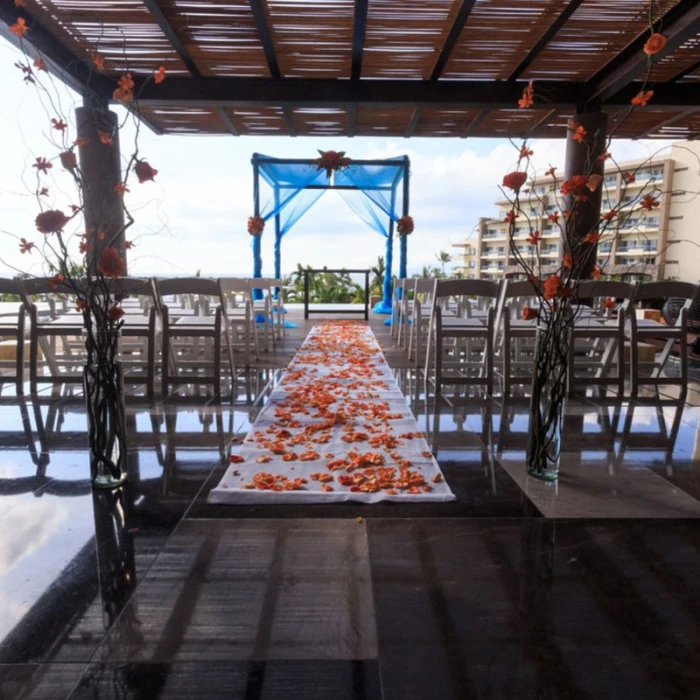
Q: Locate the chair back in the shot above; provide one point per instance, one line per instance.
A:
(466, 288)
(592, 289)
(123, 287)
(233, 287)
(665, 289)
(9, 286)
(188, 285)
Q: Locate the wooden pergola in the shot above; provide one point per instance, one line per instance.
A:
(452, 68)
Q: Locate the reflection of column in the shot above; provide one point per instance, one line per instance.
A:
(115, 549)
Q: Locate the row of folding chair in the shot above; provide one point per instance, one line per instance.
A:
(185, 321)
(471, 327)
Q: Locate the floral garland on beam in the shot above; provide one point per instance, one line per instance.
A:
(256, 225)
(330, 161)
(405, 225)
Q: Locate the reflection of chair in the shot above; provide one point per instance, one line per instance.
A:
(652, 332)
(265, 307)
(418, 318)
(193, 355)
(12, 328)
(603, 336)
(470, 354)
(45, 332)
(396, 301)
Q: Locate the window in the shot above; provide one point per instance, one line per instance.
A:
(472, 264)
(610, 179)
(605, 247)
(652, 222)
(472, 251)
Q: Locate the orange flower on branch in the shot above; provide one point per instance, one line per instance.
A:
(591, 238)
(574, 184)
(256, 225)
(19, 28)
(20, 3)
(59, 124)
(514, 180)
(655, 43)
(525, 152)
(144, 172)
(528, 97)
(597, 273)
(56, 280)
(594, 181)
(84, 247)
(80, 305)
(98, 62)
(68, 160)
(551, 171)
(604, 156)
(81, 142)
(125, 89)
(25, 246)
(42, 165)
(28, 75)
(159, 75)
(105, 137)
(642, 98)
(554, 217)
(578, 133)
(121, 187)
(609, 303)
(128, 245)
(610, 215)
(528, 314)
(552, 287)
(511, 216)
(628, 177)
(533, 237)
(566, 261)
(44, 192)
(649, 203)
(39, 64)
(51, 221)
(405, 225)
(115, 313)
(111, 264)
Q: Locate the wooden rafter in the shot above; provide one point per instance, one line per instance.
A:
(452, 37)
(358, 37)
(415, 120)
(475, 123)
(667, 122)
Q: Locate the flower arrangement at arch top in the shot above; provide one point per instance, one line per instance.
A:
(330, 161)
(555, 286)
(405, 225)
(256, 225)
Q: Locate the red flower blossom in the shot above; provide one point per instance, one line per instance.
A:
(554, 217)
(597, 273)
(591, 238)
(28, 74)
(594, 181)
(20, 3)
(121, 187)
(628, 177)
(115, 313)
(649, 203)
(525, 152)
(44, 192)
(566, 261)
(56, 280)
(74, 208)
(528, 314)
(610, 215)
(609, 303)
(42, 165)
(551, 171)
(514, 180)
(511, 216)
(533, 237)
(50, 221)
(80, 305)
(81, 142)
(574, 184)
(98, 62)
(128, 245)
(111, 263)
(105, 137)
(19, 28)
(25, 246)
(552, 287)
(59, 124)
(330, 161)
(68, 160)
(84, 247)
(604, 156)
(39, 64)
(578, 133)
(642, 98)
(405, 225)
(256, 225)
(654, 44)
(159, 75)
(144, 171)
(528, 97)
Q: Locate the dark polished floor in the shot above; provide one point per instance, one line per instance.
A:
(589, 588)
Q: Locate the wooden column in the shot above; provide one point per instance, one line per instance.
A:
(582, 159)
(101, 172)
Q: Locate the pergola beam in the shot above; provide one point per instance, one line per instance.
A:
(686, 71)
(452, 38)
(678, 25)
(413, 124)
(358, 37)
(667, 122)
(475, 123)
(561, 19)
(310, 92)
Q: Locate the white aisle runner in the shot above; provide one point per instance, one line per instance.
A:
(337, 428)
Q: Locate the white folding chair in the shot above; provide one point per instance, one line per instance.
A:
(12, 329)
(419, 320)
(236, 293)
(396, 305)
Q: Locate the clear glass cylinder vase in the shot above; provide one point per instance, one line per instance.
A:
(103, 385)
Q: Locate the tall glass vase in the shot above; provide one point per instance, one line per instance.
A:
(103, 384)
(547, 401)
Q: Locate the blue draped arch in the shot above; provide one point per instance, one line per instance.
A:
(376, 190)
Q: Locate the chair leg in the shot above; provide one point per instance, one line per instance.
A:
(634, 366)
(19, 358)
(33, 360)
(151, 364)
(165, 378)
(489, 359)
(217, 364)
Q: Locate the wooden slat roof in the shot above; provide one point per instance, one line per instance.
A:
(421, 68)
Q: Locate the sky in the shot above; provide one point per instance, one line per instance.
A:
(193, 217)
